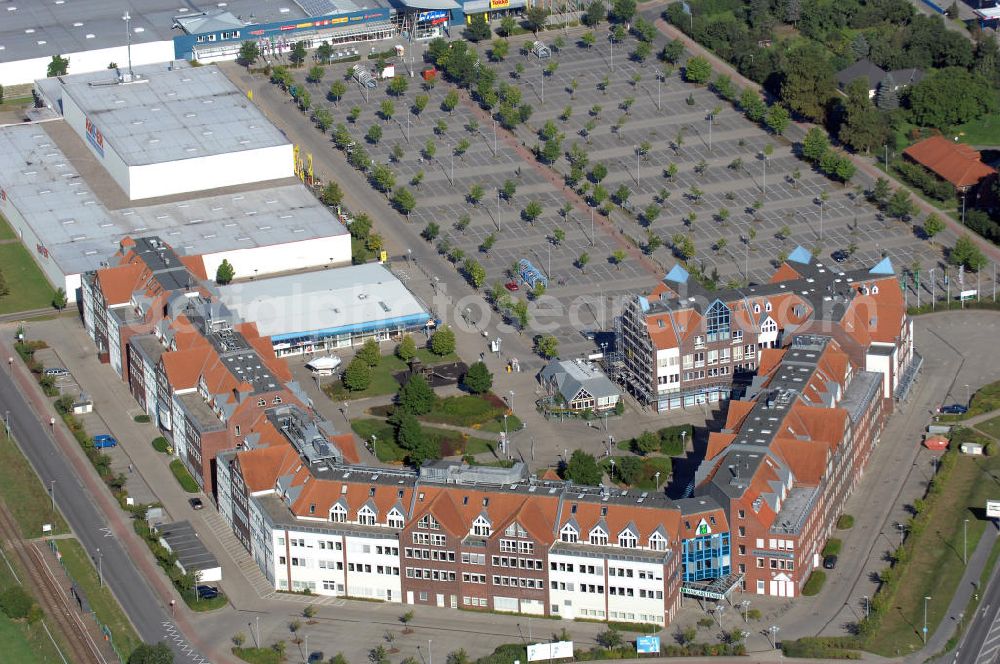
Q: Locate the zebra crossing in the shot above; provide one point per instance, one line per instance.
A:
(172, 635)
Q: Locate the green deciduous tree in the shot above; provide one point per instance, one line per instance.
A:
(582, 469)
(406, 349)
(249, 52)
(951, 96)
(357, 376)
(478, 379)
(933, 225)
(777, 119)
(315, 74)
(225, 272)
(152, 654)
(58, 66)
(807, 82)
(403, 200)
(862, 126)
(369, 353)
(416, 396)
(443, 341)
(477, 29)
(698, 70)
(966, 252)
(815, 144)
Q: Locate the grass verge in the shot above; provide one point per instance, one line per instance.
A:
(24, 494)
(109, 612)
(259, 655)
(23, 641)
(645, 476)
(28, 287)
(935, 567)
(815, 583)
(6, 232)
(990, 427)
(984, 131)
(183, 476)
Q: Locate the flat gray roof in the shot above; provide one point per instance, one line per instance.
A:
(183, 541)
(325, 302)
(64, 27)
(171, 113)
(80, 232)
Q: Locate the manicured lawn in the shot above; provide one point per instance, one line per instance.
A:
(468, 410)
(109, 612)
(986, 399)
(647, 474)
(24, 494)
(832, 547)
(983, 132)
(28, 287)
(6, 232)
(23, 642)
(12, 103)
(383, 381)
(936, 566)
(451, 443)
(183, 476)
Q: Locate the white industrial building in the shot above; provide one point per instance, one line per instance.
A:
(170, 128)
(93, 34)
(56, 192)
(318, 311)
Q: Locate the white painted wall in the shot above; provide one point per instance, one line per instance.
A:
(363, 551)
(882, 364)
(636, 608)
(29, 69)
(279, 258)
(115, 347)
(575, 603)
(31, 242)
(110, 160)
(209, 172)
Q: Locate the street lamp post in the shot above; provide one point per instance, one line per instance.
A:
(867, 606)
(902, 529)
(374, 449)
(100, 568)
(719, 609)
(636, 147)
(52, 495)
(968, 397)
(657, 478)
(344, 410)
(927, 598)
(612, 470)
(746, 610)
(430, 653)
(773, 630)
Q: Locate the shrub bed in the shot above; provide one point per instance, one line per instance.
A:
(845, 522)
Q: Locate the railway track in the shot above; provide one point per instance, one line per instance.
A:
(50, 595)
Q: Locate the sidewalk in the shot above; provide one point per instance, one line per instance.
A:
(956, 608)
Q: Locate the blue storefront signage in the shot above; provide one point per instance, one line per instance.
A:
(432, 16)
(647, 644)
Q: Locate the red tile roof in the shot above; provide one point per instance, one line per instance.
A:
(957, 163)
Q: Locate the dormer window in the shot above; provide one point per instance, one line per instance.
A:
(598, 537)
(338, 513)
(626, 539)
(756, 308)
(767, 306)
(569, 534)
(261, 403)
(395, 519)
(515, 530)
(874, 290)
(366, 516)
(428, 522)
(657, 542)
(276, 400)
(481, 527)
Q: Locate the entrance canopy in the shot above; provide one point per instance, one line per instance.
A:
(716, 589)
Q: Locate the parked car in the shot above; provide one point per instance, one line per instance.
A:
(954, 409)
(840, 256)
(588, 334)
(829, 562)
(196, 503)
(55, 372)
(512, 286)
(103, 441)
(316, 657)
(207, 592)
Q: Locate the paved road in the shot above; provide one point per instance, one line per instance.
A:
(77, 504)
(981, 644)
